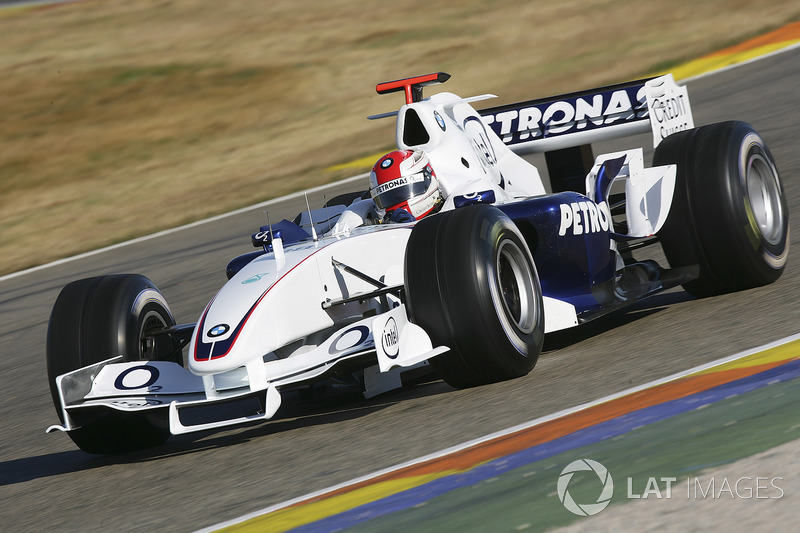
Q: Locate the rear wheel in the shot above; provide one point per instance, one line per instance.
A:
(729, 213)
(96, 319)
(472, 285)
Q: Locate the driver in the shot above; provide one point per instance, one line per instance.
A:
(404, 187)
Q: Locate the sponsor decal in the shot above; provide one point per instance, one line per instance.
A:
(481, 197)
(386, 163)
(671, 108)
(584, 217)
(218, 330)
(670, 111)
(476, 131)
(134, 404)
(569, 115)
(257, 277)
(262, 236)
(349, 339)
(440, 120)
(399, 182)
(138, 377)
(390, 339)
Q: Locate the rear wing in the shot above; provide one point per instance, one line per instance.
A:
(569, 120)
(564, 127)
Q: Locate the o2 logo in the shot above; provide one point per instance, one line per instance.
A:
(138, 377)
(355, 336)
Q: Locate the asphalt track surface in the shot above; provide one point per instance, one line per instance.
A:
(508, 481)
(194, 481)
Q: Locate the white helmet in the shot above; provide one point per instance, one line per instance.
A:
(405, 180)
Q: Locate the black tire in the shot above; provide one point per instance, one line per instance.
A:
(729, 213)
(93, 320)
(471, 285)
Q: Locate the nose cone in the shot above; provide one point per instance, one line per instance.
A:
(222, 339)
(268, 305)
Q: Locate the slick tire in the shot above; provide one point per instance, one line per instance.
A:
(96, 319)
(471, 284)
(729, 213)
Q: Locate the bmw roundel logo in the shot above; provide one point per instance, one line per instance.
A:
(218, 331)
(386, 163)
(440, 120)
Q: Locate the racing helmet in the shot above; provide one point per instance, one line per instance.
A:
(405, 180)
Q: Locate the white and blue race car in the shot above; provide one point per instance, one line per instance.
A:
(469, 291)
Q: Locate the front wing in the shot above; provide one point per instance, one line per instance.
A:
(387, 342)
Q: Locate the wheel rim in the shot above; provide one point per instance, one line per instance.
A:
(514, 294)
(153, 321)
(764, 197)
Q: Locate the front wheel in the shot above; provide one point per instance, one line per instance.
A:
(96, 319)
(729, 212)
(472, 285)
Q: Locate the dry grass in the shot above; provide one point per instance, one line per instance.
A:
(120, 117)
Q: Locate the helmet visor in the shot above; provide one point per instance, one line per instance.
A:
(399, 190)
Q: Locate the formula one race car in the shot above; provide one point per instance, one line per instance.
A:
(466, 277)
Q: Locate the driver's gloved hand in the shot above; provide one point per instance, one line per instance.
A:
(398, 216)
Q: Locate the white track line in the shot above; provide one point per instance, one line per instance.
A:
(502, 433)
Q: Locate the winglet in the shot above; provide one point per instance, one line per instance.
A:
(412, 86)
